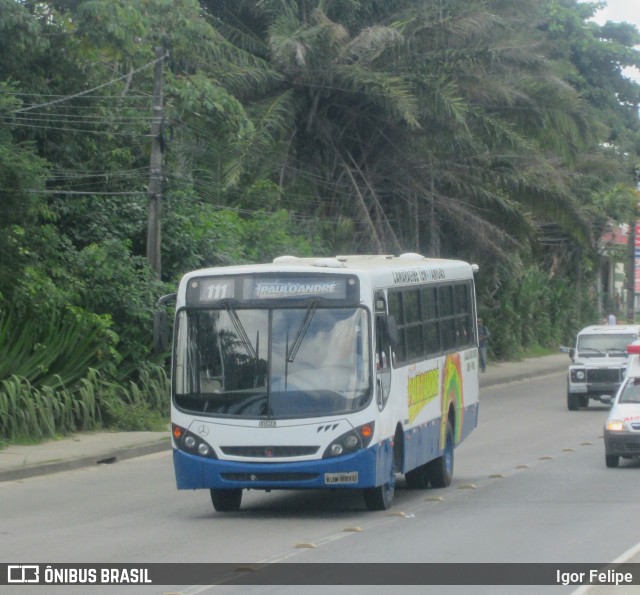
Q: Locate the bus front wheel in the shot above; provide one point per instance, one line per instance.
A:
(226, 500)
(381, 497)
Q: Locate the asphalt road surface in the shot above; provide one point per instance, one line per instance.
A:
(530, 485)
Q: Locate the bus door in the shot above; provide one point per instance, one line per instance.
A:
(383, 351)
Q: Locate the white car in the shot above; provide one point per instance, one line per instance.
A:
(598, 363)
(622, 429)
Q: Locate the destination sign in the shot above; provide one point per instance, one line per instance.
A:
(297, 288)
(260, 288)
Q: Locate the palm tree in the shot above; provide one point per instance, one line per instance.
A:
(422, 121)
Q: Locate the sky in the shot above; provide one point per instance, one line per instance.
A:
(618, 11)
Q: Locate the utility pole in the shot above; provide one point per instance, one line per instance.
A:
(155, 176)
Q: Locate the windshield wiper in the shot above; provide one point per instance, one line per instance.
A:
(302, 331)
(582, 349)
(239, 328)
(297, 341)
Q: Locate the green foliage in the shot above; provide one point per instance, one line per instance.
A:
(116, 283)
(268, 235)
(499, 132)
(55, 351)
(531, 310)
(136, 406)
(197, 234)
(27, 411)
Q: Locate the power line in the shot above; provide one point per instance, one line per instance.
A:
(82, 93)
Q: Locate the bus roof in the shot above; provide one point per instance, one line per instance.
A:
(350, 262)
(374, 271)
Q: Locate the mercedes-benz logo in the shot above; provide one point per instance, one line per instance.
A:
(203, 430)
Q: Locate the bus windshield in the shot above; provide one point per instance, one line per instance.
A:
(273, 363)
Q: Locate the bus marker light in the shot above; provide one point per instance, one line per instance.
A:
(177, 432)
(366, 431)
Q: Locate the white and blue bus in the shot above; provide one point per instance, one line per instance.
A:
(310, 373)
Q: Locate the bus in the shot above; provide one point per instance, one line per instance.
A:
(323, 373)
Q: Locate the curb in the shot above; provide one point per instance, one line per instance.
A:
(520, 377)
(106, 458)
(527, 375)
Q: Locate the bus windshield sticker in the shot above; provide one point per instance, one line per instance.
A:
(423, 388)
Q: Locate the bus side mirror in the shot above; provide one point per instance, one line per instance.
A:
(160, 331)
(572, 353)
(161, 324)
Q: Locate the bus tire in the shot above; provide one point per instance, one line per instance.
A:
(440, 470)
(226, 500)
(381, 497)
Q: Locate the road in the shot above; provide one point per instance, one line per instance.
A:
(530, 485)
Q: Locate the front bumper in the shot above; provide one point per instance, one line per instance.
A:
(623, 444)
(594, 389)
(365, 468)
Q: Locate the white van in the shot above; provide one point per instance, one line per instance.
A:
(598, 363)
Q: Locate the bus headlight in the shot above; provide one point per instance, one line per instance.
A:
(336, 449)
(351, 441)
(189, 442)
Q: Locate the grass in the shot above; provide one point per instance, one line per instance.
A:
(30, 414)
(538, 351)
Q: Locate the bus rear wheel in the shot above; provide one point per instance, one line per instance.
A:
(440, 470)
(226, 500)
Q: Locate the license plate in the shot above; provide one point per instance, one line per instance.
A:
(333, 478)
(578, 389)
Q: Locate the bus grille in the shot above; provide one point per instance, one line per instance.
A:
(260, 477)
(598, 375)
(269, 452)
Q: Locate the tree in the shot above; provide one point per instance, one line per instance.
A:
(418, 120)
